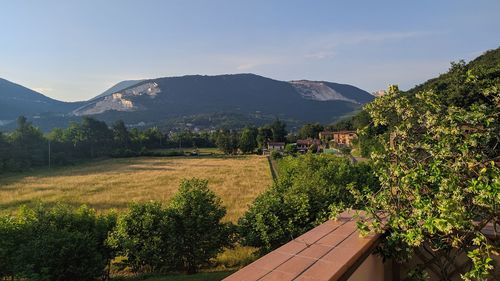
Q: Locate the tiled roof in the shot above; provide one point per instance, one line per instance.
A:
(308, 141)
(326, 252)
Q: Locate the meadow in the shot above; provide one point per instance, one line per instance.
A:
(115, 183)
(112, 184)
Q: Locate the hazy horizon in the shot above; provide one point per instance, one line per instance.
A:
(76, 50)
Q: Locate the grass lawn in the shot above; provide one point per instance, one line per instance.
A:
(114, 183)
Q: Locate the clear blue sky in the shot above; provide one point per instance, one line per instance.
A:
(74, 50)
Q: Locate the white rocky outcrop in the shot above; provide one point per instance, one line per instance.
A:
(120, 101)
(318, 91)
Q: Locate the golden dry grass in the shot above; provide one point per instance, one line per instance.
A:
(114, 183)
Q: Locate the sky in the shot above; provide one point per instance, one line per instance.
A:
(74, 50)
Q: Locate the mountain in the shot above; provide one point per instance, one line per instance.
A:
(453, 86)
(201, 101)
(17, 100)
(118, 87)
(243, 94)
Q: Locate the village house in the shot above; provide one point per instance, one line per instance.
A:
(339, 138)
(304, 145)
(344, 137)
(276, 146)
(326, 136)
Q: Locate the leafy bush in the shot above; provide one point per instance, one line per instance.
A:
(309, 186)
(275, 155)
(140, 236)
(198, 233)
(439, 179)
(183, 236)
(55, 244)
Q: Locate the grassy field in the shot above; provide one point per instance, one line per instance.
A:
(114, 183)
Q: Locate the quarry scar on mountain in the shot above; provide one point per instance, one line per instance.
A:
(318, 91)
(119, 101)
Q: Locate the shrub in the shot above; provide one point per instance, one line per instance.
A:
(183, 236)
(55, 244)
(140, 236)
(439, 173)
(198, 233)
(309, 186)
(275, 155)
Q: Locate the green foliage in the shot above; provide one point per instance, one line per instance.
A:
(278, 129)
(310, 131)
(290, 149)
(55, 244)
(227, 141)
(27, 147)
(121, 136)
(275, 155)
(309, 187)
(198, 233)
(462, 83)
(264, 135)
(248, 139)
(140, 236)
(439, 180)
(183, 236)
(96, 137)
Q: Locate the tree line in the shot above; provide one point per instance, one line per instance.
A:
(28, 147)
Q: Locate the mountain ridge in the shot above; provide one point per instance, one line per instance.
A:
(16, 100)
(155, 101)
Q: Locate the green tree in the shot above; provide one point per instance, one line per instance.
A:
(198, 233)
(5, 153)
(121, 135)
(439, 180)
(96, 136)
(310, 131)
(227, 141)
(140, 237)
(29, 146)
(154, 138)
(290, 148)
(248, 139)
(278, 129)
(309, 187)
(55, 244)
(264, 135)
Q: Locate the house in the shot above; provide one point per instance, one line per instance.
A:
(279, 146)
(304, 145)
(339, 138)
(344, 138)
(326, 136)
